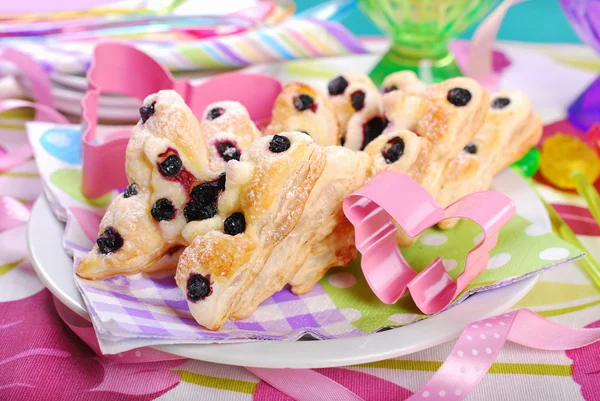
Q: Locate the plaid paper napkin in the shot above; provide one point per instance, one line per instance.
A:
(132, 311)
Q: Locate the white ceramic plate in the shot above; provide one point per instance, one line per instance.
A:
(55, 269)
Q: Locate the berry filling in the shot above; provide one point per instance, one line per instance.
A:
(372, 129)
(184, 177)
(228, 151)
(109, 241)
(471, 148)
(337, 86)
(131, 190)
(215, 113)
(194, 211)
(203, 202)
(459, 97)
(305, 102)
(205, 193)
(500, 102)
(393, 150)
(198, 287)
(279, 144)
(235, 224)
(163, 210)
(358, 100)
(390, 89)
(171, 166)
(146, 112)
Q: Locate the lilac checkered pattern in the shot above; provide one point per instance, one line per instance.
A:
(141, 307)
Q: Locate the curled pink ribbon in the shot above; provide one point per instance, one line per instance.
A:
(43, 103)
(470, 359)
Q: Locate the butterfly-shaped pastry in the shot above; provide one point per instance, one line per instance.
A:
(172, 183)
(511, 128)
(300, 107)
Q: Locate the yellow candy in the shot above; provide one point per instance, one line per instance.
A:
(563, 155)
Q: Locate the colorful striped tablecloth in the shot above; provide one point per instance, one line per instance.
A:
(40, 358)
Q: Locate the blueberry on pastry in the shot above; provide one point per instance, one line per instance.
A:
(264, 198)
(358, 108)
(166, 159)
(345, 172)
(228, 130)
(510, 129)
(302, 108)
(448, 115)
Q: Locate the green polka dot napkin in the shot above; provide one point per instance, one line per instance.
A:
(523, 249)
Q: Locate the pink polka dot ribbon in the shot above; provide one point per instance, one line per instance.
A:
(472, 356)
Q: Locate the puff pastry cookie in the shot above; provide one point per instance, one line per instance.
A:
(228, 130)
(322, 222)
(448, 115)
(171, 184)
(264, 203)
(511, 128)
(300, 107)
(358, 108)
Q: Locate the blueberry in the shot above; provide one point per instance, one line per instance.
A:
(303, 102)
(235, 224)
(372, 129)
(163, 209)
(221, 182)
(393, 150)
(500, 102)
(194, 211)
(131, 190)
(171, 166)
(204, 194)
(337, 86)
(215, 113)
(228, 151)
(471, 148)
(358, 100)
(109, 241)
(198, 287)
(459, 96)
(146, 112)
(279, 144)
(390, 88)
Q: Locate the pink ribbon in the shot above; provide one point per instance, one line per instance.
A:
(470, 359)
(479, 62)
(12, 213)
(43, 104)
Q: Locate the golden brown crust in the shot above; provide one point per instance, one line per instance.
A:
(318, 121)
(354, 107)
(272, 200)
(337, 249)
(431, 115)
(345, 171)
(172, 129)
(510, 130)
(227, 123)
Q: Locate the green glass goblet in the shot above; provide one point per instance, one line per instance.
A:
(420, 31)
